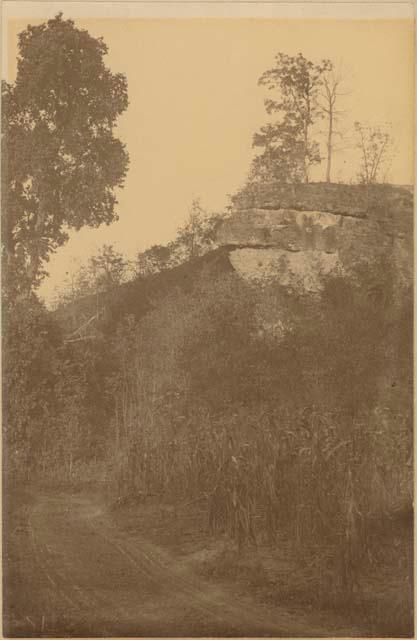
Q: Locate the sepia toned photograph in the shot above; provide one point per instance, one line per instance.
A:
(207, 320)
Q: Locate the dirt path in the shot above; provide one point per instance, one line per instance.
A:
(76, 573)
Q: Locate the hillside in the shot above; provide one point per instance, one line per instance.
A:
(245, 417)
(282, 233)
(139, 296)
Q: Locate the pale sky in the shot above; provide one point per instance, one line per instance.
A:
(195, 104)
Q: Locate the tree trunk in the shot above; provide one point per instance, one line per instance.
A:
(329, 148)
(35, 255)
(33, 269)
(306, 153)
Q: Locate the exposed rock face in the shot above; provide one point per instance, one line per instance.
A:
(345, 199)
(285, 228)
(298, 245)
(301, 270)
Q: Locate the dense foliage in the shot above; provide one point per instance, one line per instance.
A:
(56, 406)
(302, 427)
(289, 150)
(62, 162)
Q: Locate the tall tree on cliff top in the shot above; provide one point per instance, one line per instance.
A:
(289, 150)
(61, 161)
(332, 90)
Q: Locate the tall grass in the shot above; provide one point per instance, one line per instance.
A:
(305, 436)
(321, 490)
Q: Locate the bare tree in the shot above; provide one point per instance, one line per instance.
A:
(375, 143)
(332, 89)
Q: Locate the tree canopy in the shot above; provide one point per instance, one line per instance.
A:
(62, 162)
(289, 150)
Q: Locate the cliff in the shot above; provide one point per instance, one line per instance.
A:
(294, 236)
(298, 233)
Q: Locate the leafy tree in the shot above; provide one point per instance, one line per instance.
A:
(198, 234)
(62, 161)
(289, 150)
(102, 272)
(283, 156)
(108, 268)
(195, 238)
(155, 259)
(375, 145)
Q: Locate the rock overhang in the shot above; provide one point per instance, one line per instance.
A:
(327, 241)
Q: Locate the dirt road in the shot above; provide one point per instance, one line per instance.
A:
(76, 573)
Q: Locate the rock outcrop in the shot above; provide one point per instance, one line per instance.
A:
(281, 236)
